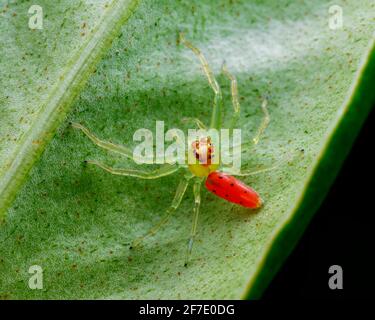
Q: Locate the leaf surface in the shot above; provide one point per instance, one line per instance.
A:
(76, 221)
(42, 71)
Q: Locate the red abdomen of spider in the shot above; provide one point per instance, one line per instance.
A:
(233, 190)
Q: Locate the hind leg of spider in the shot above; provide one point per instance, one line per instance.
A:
(282, 161)
(197, 202)
(234, 92)
(162, 171)
(104, 144)
(175, 203)
(248, 173)
(216, 111)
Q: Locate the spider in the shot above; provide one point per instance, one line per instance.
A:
(218, 179)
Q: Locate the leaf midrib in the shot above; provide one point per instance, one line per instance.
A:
(62, 94)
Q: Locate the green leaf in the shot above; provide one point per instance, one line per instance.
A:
(42, 70)
(76, 221)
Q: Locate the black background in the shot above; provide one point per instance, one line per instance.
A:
(342, 232)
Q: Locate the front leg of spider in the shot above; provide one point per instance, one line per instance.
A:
(197, 203)
(181, 189)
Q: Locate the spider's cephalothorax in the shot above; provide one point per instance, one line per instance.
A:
(206, 161)
(204, 150)
(204, 164)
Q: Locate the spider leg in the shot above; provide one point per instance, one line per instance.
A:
(104, 144)
(234, 91)
(264, 124)
(246, 146)
(247, 173)
(216, 111)
(181, 188)
(283, 160)
(197, 202)
(196, 121)
(162, 171)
